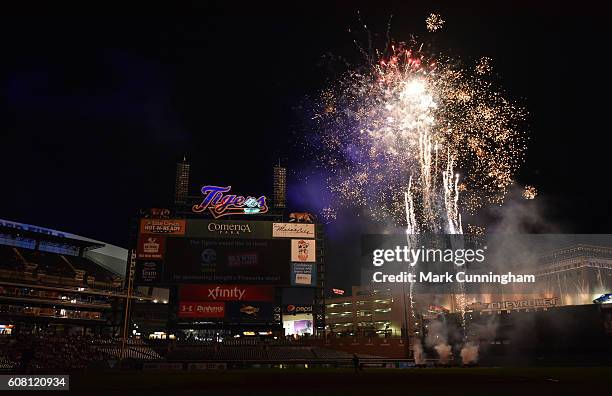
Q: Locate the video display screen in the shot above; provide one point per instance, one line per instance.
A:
(260, 261)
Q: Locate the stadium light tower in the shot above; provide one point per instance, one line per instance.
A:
(181, 186)
(279, 199)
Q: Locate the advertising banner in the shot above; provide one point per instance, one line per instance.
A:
(201, 309)
(148, 272)
(299, 327)
(207, 366)
(150, 247)
(223, 292)
(201, 228)
(227, 261)
(510, 305)
(162, 366)
(250, 311)
(293, 230)
(303, 250)
(303, 274)
(162, 226)
(291, 309)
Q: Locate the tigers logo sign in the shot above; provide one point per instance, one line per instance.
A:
(220, 204)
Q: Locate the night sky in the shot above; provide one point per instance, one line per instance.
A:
(99, 107)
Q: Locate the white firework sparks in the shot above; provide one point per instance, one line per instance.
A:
(434, 22)
(417, 141)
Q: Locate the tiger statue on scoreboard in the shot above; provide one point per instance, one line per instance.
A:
(301, 217)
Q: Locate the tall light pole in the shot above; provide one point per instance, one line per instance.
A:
(128, 301)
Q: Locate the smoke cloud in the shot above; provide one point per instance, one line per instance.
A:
(419, 355)
(469, 353)
(444, 352)
(437, 338)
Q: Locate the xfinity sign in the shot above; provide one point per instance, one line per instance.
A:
(224, 294)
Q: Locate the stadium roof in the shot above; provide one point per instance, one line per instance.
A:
(113, 258)
(39, 233)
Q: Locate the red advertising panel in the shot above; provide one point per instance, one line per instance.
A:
(201, 309)
(151, 247)
(219, 292)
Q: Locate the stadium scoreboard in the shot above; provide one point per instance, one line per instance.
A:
(226, 270)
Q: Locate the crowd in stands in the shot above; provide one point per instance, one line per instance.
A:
(56, 353)
(35, 353)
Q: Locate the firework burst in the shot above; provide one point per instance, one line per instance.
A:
(434, 22)
(416, 140)
(530, 192)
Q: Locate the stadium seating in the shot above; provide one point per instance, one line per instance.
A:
(290, 353)
(135, 348)
(48, 263)
(324, 353)
(58, 352)
(19, 264)
(90, 268)
(251, 350)
(9, 259)
(240, 353)
(192, 353)
(5, 362)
